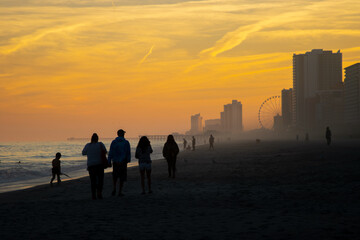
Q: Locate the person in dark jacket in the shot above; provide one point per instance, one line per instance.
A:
(211, 142)
(170, 152)
(185, 143)
(95, 152)
(193, 141)
(328, 136)
(143, 151)
(56, 168)
(120, 156)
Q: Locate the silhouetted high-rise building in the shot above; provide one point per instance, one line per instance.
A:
(329, 108)
(196, 124)
(352, 95)
(286, 107)
(278, 123)
(316, 74)
(231, 117)
(212, 125)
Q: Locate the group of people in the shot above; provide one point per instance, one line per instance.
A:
(118, 158)
(193, 143)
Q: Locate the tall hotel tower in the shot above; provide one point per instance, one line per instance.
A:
(317, 88)
(352, 96)
(231, 117)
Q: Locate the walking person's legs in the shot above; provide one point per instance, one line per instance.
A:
(121, 188)
(92, 174)
(169, 167)
(114, 185)
(142, 179)
(115, 177)
(100, 181)
(52, 179)
(58, 178)
(123, 176)
(173, 166)
(148, 174)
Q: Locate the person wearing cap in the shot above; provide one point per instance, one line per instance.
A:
(120, 156)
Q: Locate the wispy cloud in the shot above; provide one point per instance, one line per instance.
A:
(147, 55)
(70, 52)
(232, 39)
(28, 40)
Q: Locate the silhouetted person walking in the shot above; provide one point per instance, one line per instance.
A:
(307, 137)
(56, 168)
(170, 152)
(328, 136)
(143, 151)
(119, 154)
(185, 143)
(211, 142)
(95, 152)
(193, 143)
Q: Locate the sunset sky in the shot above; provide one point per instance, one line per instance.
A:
(69, 68)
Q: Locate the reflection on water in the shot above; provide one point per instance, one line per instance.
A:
(29, 164)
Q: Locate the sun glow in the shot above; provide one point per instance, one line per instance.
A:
(70, 68)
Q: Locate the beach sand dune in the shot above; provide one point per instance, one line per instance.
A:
(242, 190)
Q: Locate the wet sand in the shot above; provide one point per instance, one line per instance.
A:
(242, 190)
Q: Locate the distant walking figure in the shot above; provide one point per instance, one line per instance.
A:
(306, 137)
(119, 154)
(95, 152)
(211, 142)
(193, 143)
(170, 152)
(185, 143)
(328, 136)
(56, 168)
(143, 151)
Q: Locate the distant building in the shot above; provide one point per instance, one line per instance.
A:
(315, 73)
(286, 107)
(352, 95)
(328, 108)
(212, 125)
(278, 123)
(231, 117)
(196, 125)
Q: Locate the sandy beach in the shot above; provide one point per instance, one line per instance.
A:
(242, 190)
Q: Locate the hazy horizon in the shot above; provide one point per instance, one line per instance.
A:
(70, 68)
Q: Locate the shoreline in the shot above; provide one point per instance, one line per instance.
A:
(36, 182)
(82, 173)
(242, 190)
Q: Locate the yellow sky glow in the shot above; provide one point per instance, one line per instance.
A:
(70, 68)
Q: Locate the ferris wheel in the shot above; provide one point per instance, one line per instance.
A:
(270, 108)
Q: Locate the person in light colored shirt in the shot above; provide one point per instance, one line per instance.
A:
(95, 152)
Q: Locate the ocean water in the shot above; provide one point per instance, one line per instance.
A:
(26, 164)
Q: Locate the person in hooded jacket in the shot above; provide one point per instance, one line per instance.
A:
(170, 152)
(120, 156)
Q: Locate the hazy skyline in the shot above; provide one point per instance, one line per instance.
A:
(70, 68)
